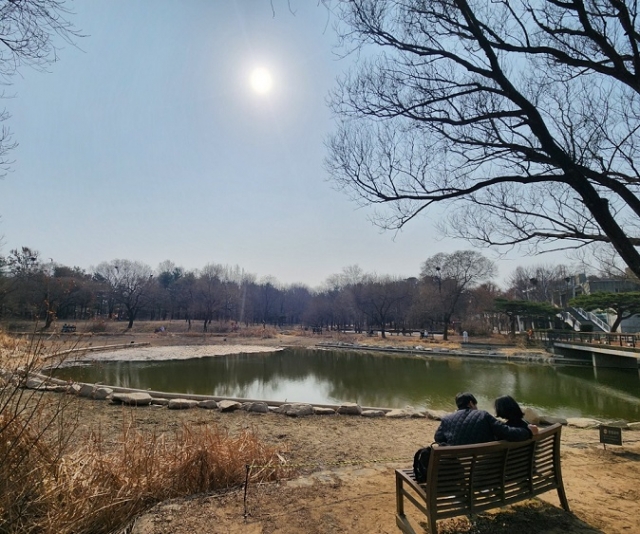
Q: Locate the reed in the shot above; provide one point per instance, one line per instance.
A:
(52, 481)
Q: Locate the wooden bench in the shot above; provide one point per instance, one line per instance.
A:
(468, 479)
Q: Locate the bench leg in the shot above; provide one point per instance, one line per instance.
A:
(399, 497)
(563, 497)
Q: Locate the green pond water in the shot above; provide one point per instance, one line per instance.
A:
(379, 380)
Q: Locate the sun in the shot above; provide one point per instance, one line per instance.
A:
(261, 80)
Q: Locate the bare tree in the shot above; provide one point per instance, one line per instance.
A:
(168, 275)
(521, 117)
(538, 282)
(451, 276)
(129, 283)
(21, 289)
(209, 293)
(28, 30)
(377, 296)
(342, 288)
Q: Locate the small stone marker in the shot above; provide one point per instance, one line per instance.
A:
(611, 435)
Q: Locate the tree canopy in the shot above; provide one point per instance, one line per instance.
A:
(623, 305)
(524, 308)
(520, 117)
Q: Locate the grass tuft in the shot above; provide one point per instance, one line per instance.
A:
(51, 483)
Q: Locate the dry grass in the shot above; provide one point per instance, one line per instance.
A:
(50, 483)
(108, 488)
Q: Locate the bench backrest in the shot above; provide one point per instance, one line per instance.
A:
(468, 479)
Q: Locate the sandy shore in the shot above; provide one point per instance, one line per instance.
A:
(184, 352)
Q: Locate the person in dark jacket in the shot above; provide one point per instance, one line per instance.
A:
(469, 425)
(508, 409)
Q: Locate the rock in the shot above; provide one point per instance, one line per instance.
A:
(436, 415)
(633, 426)
(396, 413)
(349, 408)
(413, 412)
(156, 401)
(102, 393)
(583, 422)
(74, 389)
(34, 383)
(318, 410)
(551, 420)
(618, 424)
(229, 406)
(132, 399)
(181, 404)
(258, 407)
(86, 390)
(407, 411)
(372, 413)
(208, 404)
(296, 409)
(534, 417)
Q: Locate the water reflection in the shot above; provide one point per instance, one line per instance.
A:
(329, 377)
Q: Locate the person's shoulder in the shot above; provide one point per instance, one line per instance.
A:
(483, 414)
(448, 416)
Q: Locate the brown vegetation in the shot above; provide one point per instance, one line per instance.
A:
(54, 479)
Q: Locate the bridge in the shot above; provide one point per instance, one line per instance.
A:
(598, 348)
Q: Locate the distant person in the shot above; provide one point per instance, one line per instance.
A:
(469, 425)
(465, 337)
(508, 409)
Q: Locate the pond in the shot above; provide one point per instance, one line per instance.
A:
(379, 380)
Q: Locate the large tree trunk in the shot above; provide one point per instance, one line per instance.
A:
(616, 323)
(445, 334)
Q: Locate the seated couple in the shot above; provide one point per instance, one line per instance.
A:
(469, 425)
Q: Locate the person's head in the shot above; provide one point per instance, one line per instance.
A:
(466, 400)
(507, 408)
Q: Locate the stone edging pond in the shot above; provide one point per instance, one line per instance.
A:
(181, 401)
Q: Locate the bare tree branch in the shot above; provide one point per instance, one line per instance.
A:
(522, 117)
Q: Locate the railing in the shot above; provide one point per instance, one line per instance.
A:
(568, 318)
(631, 341)
(593, 318)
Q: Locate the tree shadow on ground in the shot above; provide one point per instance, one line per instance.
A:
(532, 517)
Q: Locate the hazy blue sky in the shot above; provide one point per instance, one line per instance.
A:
(147, 142)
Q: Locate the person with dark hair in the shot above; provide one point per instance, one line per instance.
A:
(469, 425)
(508, 409)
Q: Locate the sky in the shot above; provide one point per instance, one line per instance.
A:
(148, 142)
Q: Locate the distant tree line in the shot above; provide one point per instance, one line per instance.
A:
(453, 292)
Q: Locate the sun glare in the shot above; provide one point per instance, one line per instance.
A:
(261, 81)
